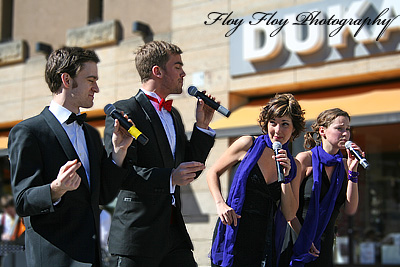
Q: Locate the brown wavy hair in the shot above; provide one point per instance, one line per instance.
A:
(283, 105)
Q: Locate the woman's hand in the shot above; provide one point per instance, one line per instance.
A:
(283, 160)
(352, 162)
(314, 251)
(227, 214)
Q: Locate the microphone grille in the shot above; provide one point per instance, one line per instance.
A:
(192, 90)
(276, 145)
(348, 144)
(109, 108)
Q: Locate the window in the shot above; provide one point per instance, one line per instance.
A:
(6, 18)
(95, 11)
(374, 230)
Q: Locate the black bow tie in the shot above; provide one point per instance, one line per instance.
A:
(80, 119)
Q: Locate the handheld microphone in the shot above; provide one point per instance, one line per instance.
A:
(357, 154)
(281, 176)
(192, 90)
(110, 110)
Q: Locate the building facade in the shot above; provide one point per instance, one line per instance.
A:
(343, 53)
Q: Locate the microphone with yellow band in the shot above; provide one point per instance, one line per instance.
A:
(110, 110)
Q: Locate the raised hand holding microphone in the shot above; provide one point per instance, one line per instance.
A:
(276, 146)
(357, 154)
(110, 110)
(192, 90)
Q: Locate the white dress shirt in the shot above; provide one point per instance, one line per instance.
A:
(168, 124)
(75, 134)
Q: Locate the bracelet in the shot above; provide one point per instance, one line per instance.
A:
(288, 179)
(353, 176)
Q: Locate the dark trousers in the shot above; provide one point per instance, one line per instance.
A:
(179, 254)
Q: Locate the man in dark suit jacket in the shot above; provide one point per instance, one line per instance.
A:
(60, 171)
(147, 227)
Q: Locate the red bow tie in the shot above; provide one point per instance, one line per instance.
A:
(162, 104)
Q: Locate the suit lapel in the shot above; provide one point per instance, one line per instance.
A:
(157, 126)
(64, 141)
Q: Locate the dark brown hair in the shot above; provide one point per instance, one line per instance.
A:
(66, 60)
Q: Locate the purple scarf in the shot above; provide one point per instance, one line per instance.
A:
(318, 214)
(222, 248)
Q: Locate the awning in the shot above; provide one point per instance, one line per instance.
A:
(3, 146)
(357, 102)
(3, 141)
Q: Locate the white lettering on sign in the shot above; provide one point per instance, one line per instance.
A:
(323, 31)
(258, 46)
(304, 41)
(392, 7)
(265, 35)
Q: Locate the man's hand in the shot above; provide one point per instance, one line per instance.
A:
(121, 140)
(67, 180)
(185, 173)
(204, 113)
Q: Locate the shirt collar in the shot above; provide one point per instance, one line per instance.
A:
(59, 111)
(153, 94)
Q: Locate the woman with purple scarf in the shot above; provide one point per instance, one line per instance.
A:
(244, 234)
(328, 181)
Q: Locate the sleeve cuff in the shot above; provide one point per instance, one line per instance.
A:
(56, 202)
(208, 131)
(171, 186)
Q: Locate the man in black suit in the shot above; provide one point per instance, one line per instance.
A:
(60, 171)
(147, 227)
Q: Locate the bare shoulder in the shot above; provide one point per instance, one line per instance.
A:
(240, 147)
(234, 153)
(305, 158)
(298, 164)
(244, 142)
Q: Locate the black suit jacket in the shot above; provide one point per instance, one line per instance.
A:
(141, 220)
(69, 231)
